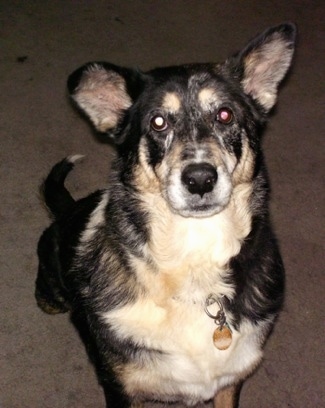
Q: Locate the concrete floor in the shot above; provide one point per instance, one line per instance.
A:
(42, 363)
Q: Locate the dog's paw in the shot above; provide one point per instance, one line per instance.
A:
(50, 306)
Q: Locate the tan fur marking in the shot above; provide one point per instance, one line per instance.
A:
(225, 398)
(172, 102)
(206, 97)
(145, 179)
(244, 171)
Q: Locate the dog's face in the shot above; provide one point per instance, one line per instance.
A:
(190, 133)
(193, 133)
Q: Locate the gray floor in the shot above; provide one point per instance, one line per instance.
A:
(43, 364)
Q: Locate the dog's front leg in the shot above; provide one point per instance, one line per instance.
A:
(228, 397)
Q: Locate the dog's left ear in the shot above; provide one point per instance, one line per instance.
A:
(264, 62)
(104, 92)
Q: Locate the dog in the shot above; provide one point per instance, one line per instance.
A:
(172, 274)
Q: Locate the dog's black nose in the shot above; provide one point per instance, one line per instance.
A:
(199, 178)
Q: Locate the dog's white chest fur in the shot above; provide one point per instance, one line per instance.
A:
(188, 261)
(188, 365)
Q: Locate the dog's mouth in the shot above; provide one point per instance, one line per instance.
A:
(199, 190)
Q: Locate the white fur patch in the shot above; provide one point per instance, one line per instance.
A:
(74, 158)
(190, 365)
(96, 219)
(199, 245)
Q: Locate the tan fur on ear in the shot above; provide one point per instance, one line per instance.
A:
(102, 95)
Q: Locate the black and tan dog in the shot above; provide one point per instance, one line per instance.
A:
(173, 271)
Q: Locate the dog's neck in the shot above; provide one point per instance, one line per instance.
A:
(191, 255)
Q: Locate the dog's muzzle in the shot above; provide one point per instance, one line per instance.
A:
(199, 189)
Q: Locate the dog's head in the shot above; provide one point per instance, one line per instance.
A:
(190, 133)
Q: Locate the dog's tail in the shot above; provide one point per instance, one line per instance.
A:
(56, 197)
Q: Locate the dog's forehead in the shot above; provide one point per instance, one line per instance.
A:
(201, 90)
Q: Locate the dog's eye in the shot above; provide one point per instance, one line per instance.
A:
(158, 123)
(225, 116)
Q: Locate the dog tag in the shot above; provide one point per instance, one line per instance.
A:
(222, 337)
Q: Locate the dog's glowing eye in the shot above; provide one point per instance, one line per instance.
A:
(158, 123)
(225, 116)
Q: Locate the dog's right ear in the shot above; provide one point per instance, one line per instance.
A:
(104, 92)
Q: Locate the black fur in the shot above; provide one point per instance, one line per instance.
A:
(194, 166)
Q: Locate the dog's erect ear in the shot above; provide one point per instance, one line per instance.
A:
(264, 63)
(104, 91)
